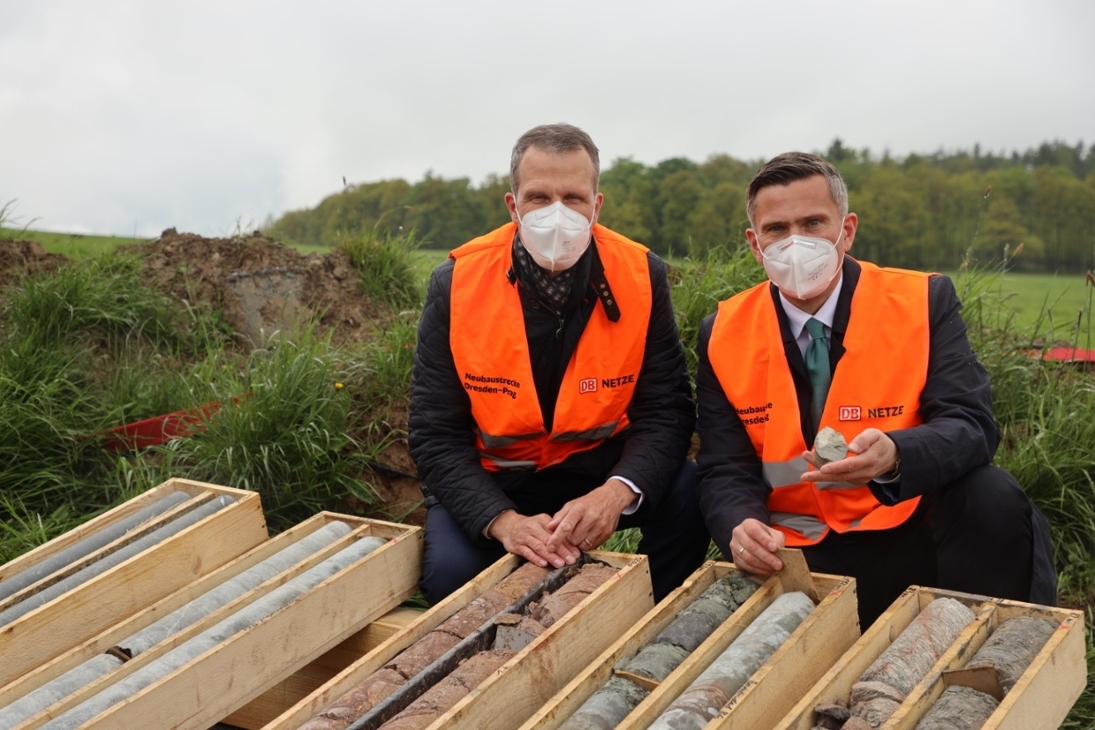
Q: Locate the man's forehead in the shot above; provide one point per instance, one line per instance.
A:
(806, 197)
(573, 168)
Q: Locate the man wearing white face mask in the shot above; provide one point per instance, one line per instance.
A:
(880, 355)
(550, 402)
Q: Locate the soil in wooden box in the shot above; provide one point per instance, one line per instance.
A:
(467, 624)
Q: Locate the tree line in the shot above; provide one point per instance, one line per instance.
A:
(920, 211)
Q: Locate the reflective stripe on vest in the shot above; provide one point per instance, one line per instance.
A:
(490, 350)
(888, 326)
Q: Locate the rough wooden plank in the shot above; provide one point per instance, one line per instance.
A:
(293, 717)
(226, 677)
(795, 573)
(143, 579)
(510, 696)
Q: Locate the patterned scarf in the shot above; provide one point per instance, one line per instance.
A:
(552, 291)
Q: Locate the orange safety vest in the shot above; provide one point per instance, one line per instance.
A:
(490, 348)
(877, 384)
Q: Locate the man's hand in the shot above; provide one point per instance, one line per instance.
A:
(586, 522)
(873, 455)
(754, 546)
(528, 537)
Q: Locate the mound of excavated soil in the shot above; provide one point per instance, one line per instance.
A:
(260, 285)
(19, 259)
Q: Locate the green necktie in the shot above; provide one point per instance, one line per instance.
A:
(817, 368)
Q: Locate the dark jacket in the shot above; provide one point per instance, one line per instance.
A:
(440, 430)
(958, 431)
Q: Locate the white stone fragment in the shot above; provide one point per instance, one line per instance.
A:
(829, 446)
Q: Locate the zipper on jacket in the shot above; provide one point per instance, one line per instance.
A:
(559, 332)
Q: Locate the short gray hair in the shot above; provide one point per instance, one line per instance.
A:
(791, 167)
(557, 139)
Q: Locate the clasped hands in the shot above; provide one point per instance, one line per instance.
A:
(581, 524)
(871, 454)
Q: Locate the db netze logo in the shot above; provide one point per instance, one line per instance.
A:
(587, 385)
(850, 413)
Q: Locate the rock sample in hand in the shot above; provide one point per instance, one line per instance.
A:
(829, 446)
(714, 687)
(614, 701)
(412, 660)
(886, 683)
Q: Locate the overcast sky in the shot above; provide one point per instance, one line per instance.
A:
(132, 116)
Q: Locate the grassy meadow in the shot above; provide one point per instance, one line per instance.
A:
(90, 346)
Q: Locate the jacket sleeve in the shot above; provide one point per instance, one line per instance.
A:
(440, 425)
(731, 481)
(662, 412)
(959, 430)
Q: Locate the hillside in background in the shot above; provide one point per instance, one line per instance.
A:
(923, 211)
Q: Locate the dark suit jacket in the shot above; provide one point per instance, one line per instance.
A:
(441, 428)
(959, 431)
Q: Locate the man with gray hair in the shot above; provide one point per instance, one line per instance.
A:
(550, 402)
(880, 358)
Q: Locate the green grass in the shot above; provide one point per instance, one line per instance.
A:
(385, 265)
(425, 260)
(73, 245)
(1049, 303)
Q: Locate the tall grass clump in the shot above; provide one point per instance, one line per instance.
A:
(384, 367)
(1046, 413)
(282, 431)
(698, 285)
(385, 264)
(80, 347)
(104, 295)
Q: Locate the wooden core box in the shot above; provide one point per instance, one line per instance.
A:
(221, 680)
(1040, 699)
(509, 696)
(74, 616)
(822, 638)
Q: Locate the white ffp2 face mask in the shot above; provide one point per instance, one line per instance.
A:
(555, 236)
(802, 266)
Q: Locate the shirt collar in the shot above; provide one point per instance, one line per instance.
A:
(797, 318)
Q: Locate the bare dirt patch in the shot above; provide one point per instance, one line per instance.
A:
(261, 286)
(19, 259)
